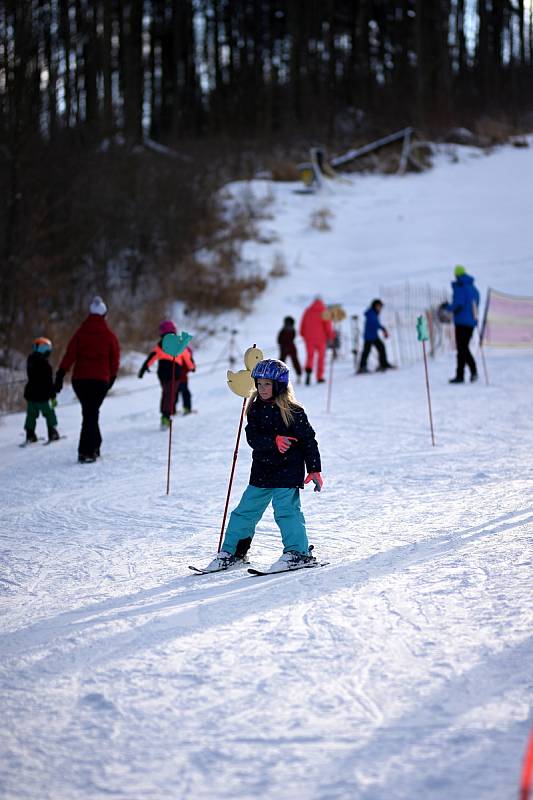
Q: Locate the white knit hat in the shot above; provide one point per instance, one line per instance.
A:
(98, 306)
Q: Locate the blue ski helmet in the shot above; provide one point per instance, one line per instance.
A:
(271, 369)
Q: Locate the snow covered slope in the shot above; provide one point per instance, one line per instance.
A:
(404, 668)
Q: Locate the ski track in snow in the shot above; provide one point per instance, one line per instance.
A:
(400, 670)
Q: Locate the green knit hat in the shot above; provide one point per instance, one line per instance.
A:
(459, 270)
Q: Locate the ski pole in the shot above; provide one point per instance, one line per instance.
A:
(235, 454)
(481, 334)
(423, 336)
(242, 384)
(330, 381)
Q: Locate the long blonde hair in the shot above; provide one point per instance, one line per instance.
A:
(286, 402)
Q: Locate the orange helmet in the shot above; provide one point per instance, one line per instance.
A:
(42, 345)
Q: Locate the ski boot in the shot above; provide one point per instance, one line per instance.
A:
(31, 438)
(222, 561)
(53, 435)
(86, 458)
(292, 560)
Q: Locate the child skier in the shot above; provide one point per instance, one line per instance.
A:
(371, 337)
(283, 445)
(186, 362)
(166, 364)
(287, 346)
(39, 392)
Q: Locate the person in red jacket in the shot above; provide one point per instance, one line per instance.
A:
(316, 331)
(95, 354)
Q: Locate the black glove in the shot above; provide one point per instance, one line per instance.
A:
(141, 372)
(111, 382)
(58, 383)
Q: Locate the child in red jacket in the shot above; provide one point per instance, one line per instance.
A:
(186, 362)
(172, 374)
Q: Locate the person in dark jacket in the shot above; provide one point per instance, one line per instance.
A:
(94, 352)
(283, 447)
(169, 370)
(287, 346)
(39, 392)
(464, 306)
(371, 337)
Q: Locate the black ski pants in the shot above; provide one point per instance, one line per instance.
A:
(284, 353)
(380, 347)
(463, 334)
(91, 394)
(185, 394)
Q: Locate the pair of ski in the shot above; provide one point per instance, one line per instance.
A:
(42, 441)
(259, 572)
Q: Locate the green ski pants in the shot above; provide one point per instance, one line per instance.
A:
(34, 409)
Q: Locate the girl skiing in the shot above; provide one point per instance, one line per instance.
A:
(283, 445)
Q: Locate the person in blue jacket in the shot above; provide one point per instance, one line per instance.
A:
(371, 337)
(464, 306)
(283, 447)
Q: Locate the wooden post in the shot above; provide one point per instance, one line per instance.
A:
(171, 420)
(330, 381)
(235, 454)
(429, 395)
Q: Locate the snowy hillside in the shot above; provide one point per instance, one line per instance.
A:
(401, 670)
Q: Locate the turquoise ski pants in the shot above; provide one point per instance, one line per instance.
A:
(287, 513)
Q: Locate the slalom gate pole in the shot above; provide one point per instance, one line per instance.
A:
(481, 334)
(235, 454)
(485, 371)
(330, 382)
(527, 771)
(428, 394)
(171, 420)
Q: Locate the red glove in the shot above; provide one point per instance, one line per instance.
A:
(284, 442)
(316, 477)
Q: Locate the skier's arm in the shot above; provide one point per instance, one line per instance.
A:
(148, 361)
(70, 355)
(66, 362)
(458, 300)
(114, 359)
(307, 441)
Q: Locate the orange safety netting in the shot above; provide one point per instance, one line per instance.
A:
(508, 320)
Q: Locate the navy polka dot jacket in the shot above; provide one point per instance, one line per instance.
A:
(270, 468)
